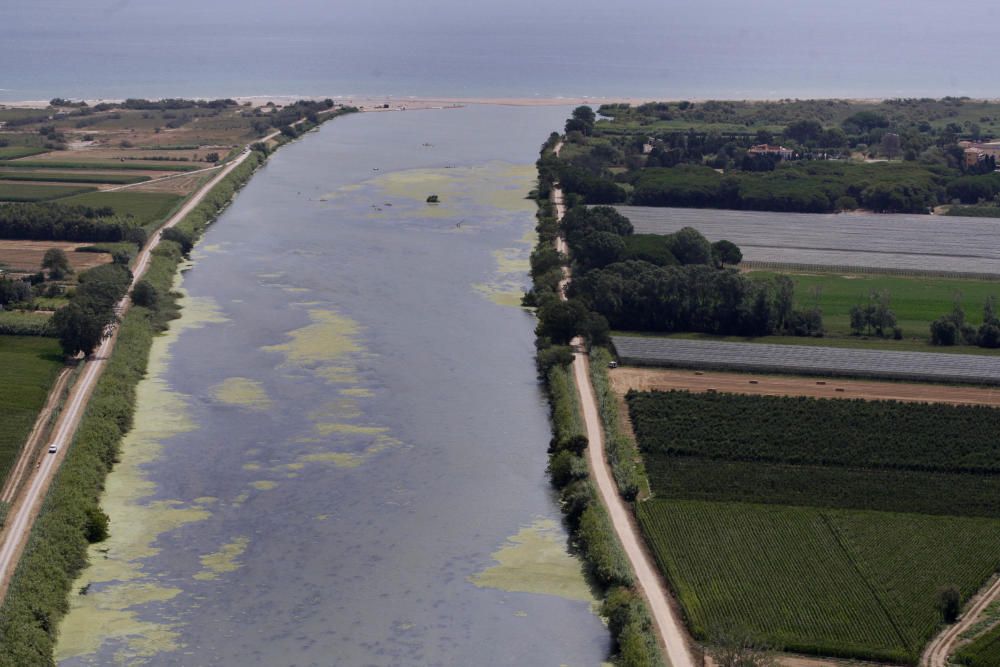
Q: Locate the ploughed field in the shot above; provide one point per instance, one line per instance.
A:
(818, 525)
(876, 242)
(808, 360)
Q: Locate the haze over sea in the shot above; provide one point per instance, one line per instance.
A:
(730, 49)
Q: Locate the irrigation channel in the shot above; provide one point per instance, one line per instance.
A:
(340, 448)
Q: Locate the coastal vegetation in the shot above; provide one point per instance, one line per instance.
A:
(802, 156)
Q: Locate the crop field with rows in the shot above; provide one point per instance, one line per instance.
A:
(821, 525)
(853, 584)
(808, 360)
(983, 652)
(915, 242)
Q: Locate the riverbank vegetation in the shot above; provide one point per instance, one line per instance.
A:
(635, 643)
(814, 156)
(56, 550)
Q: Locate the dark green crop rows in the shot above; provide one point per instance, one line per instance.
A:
(853, 584)
(803, 431)
(983, 652)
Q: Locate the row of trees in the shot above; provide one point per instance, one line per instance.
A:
(83, 322)
(875, 316)
(51, 221)
(953, 328)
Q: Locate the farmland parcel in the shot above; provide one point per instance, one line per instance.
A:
(785, 516)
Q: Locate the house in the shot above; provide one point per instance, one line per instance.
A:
(977, 152)
(767, 149)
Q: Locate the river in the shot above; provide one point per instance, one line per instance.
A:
(340, 448)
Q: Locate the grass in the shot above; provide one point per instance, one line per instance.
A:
(830, 582)
(147, 208)
(29, 192)
(916, 301)
(30, 365)
(24, 323)
(95, 164)
(62, 177)
(982, 652)
(13, 152)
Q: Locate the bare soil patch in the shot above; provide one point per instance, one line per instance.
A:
(26, 256)
(664, 379)
(178, 185)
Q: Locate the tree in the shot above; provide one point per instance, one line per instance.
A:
(560, 321)
(890, 145)
(585, 113)
(180, 237)
(212, 157)
(949, 603)
(738, 649)
(79, 329)
(944, 331)
(144, 294)
(726, 252)
(14, 291)
(57, 264)
(690, 247)
(804, 130)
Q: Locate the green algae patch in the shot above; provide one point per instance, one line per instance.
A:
(357, 392)
(322, 347)
(339, 459)
(263, 484)
(119, 583)
(508, 294)
(243, 392)
(222, 561)
(349, 429)
(535, 560)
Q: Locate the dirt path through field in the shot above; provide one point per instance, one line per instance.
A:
(937, 652)
(664, 379)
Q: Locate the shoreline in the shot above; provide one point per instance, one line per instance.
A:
(397, 102)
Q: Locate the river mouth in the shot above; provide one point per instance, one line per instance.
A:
(340, 448)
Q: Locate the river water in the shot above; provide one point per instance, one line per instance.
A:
(339, 455)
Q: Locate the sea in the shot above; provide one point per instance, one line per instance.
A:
(650, 49)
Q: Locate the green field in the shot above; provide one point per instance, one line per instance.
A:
(30, 366)
(982, 652)
(24, 323)
(147, 208)
(28, 192)
(94, 164)
(819, 525)
(12, 152)
(821, 452)
(63, 177)
(916, 301)
(854, 584)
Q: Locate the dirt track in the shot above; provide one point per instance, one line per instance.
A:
(646, 379)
